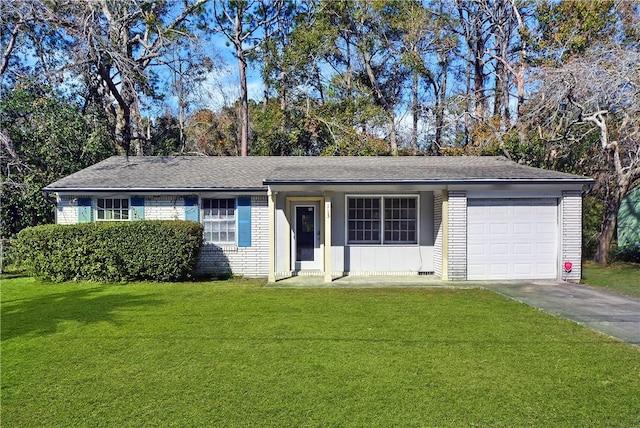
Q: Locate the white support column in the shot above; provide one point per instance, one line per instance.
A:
(271, 196)
(327, 237)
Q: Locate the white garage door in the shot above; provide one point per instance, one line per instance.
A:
(512, 238)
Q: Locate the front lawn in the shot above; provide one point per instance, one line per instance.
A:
(619, 277)
(236, 354)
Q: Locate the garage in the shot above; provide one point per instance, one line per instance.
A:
(512, 239)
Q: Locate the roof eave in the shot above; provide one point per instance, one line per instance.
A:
(584, 180)
(151, 189)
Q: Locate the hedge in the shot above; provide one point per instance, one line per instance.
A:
(111, 251)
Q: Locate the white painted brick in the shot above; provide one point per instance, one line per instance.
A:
(437, 233)
(571, 234)
(167, 207)
(67, 208)
(457, 254)
(250, 261)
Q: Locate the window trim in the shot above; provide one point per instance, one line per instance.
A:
(382, 219)
(111, 198)
(233, 243)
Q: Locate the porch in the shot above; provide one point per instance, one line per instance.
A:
(359, 281)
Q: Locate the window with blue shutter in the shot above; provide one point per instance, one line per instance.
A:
(244, 222)
(84, 210)
(137, 208)
(191, 209)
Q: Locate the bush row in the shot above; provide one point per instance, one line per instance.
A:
(111, 251)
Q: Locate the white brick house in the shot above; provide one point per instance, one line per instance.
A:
(460, 218)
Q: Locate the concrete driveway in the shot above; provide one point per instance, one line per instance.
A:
(615, 315)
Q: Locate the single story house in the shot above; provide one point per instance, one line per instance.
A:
(459, 218)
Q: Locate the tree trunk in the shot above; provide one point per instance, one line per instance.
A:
(393, 143)
(244, 107)
(283, 91)
(610, 221)
(349, 72)
(478, 80)
(606, 234)
(415, 112)
(244, 97)
(319, 83)
(467, 115)
(498, 97)
(440, 93)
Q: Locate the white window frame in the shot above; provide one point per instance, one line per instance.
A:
(377, 220)
(219, 221)
(382, 198)
(111, 209)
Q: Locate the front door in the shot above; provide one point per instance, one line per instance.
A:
(306, 237)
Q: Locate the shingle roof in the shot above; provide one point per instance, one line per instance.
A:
(253, 173)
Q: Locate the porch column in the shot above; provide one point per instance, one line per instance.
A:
(327, 237)
(271, 197)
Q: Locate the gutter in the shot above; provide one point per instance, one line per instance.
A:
(155, 190)
(585, 180)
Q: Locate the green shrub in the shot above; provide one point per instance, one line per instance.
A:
(628, 253)
(111, 251)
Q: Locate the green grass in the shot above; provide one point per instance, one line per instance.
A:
(619, 277)
(236, 354)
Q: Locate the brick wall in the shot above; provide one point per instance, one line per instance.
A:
(437, 233)
(67, 209)
(571, 247)
(457, 260)
(165, 207)
(250, 261)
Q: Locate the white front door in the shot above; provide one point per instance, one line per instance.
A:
(305, 241)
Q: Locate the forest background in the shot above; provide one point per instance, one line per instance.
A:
(551, 84)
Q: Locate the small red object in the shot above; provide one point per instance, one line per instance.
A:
(568, 266)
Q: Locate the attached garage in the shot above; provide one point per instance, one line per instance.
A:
(512, 239)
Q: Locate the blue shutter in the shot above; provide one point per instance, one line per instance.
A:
(137, 208)
(84, 210)
(191, 209)
(244, 222)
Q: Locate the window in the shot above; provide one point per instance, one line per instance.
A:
(395, 223)
(112, 209)
(219, 220)
(400, 220)
(364, 220)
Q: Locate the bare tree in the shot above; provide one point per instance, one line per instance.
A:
(120, 41)
(597, 96)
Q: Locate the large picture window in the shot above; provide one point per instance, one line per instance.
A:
(219, 220)
(382, 220)
(112, 209)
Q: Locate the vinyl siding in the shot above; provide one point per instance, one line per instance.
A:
(571, 234)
